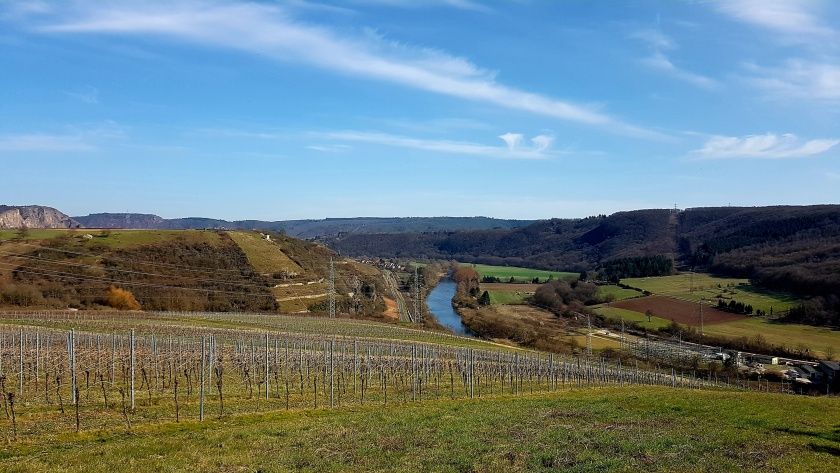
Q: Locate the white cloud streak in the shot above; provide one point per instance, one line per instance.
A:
(512, 150)
(792, 23)
(34, 142)
(88, 95)
(457, 4)
(330, 148)
(658, 60)
(75, 139)
(655, 38)
(767, 146)
(798, 79)
(268, 30)
(799, 20)
(661, 62)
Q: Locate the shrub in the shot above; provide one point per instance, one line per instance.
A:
(121, 299)
(21, 295)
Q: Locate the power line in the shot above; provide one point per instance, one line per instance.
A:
(418, 303)
(115, 258)
(332, 289)
(60, 274)
(47, 260)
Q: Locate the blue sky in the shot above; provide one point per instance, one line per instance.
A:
(516, 109)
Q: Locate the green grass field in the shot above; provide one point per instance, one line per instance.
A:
(616, 313)
(698, 286)
(519, 274)
(509, 293)
(598, 343)
(703, 286)
(31, 234)
(608, 429)
(617, 293)
(507, 297)
(817, 339)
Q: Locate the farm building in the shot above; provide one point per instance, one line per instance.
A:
(765, 359)
(830, 371)
(808, 372)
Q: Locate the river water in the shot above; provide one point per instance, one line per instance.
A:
(440, 305)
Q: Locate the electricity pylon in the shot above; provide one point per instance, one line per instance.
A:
(332, 289)
(418, 302)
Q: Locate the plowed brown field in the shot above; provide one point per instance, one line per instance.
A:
(682, 312)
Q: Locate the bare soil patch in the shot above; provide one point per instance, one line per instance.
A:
(391, 311)
(679, 311)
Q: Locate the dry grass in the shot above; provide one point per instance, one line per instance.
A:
(265, 256)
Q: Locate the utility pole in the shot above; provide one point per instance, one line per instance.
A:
(701, 317)
(418, 302)
(332, 289)
(623, 343)
(589, 336)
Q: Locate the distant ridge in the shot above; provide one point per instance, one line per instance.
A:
(324, 228)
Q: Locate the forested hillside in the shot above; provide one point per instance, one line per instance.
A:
(329, 227)
(788, 248)
(559, 244)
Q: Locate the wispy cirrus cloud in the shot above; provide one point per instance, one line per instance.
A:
(88, 95)
(513, 149)
(767, 146)
(798, 21)
(659, 42)
(74, 139)
(330, 148)
(660, 61)
(797, 79)
(655, 39)
(457, 4)
(43, 142)
(814, 72)
(268, 30)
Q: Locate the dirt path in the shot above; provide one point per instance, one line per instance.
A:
(307, 296)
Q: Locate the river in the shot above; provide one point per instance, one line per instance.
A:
(440, 305)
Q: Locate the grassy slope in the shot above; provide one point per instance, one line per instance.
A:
(618, 293)
(505, 293)
(704, 286)
(117, 239)
(506, 272)
(611, 429)
(791, 335)
(817, 338)
(507, 297)
(616, 313)
(265, 256)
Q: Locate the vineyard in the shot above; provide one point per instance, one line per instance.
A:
(65, 371)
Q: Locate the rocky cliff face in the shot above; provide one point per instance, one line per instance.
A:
(34, 216)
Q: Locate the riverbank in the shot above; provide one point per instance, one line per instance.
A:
(441, 306)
